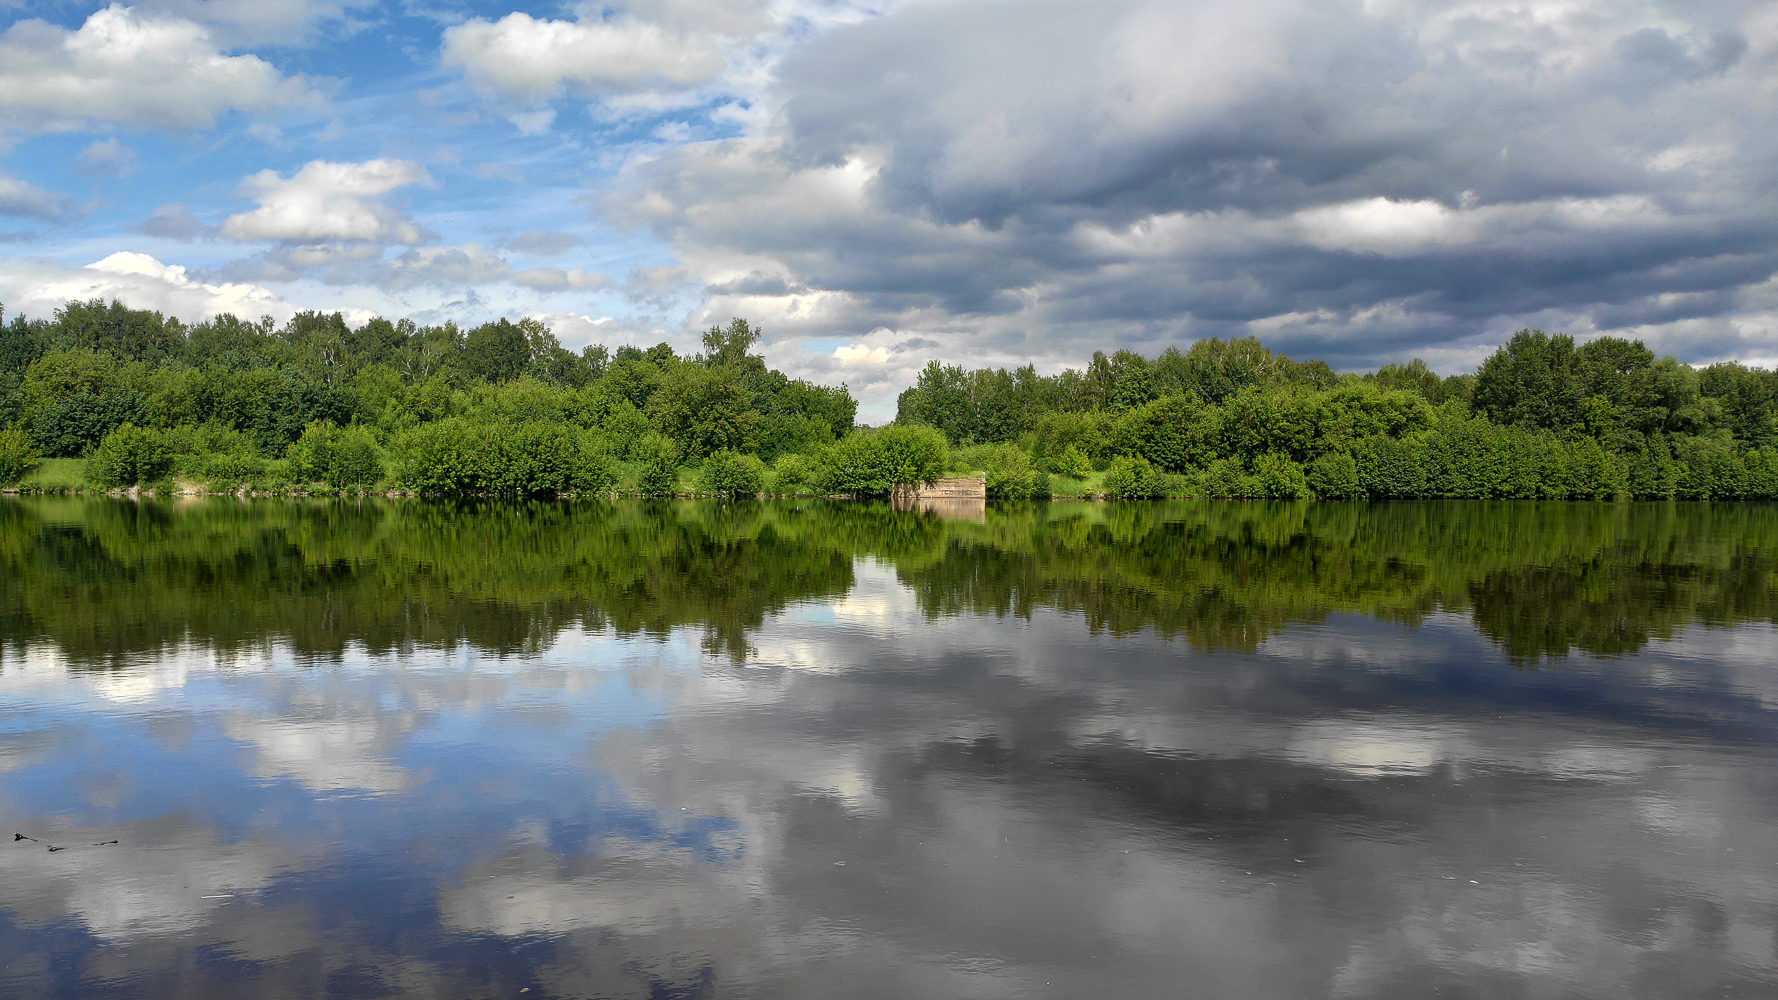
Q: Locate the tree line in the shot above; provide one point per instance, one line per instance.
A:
(503, 409)
(499, 409)
(1542, 418)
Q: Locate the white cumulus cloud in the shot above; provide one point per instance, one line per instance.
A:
(524, 58)
(38, 288)
(127, 69)
(329, 201)
(861, 354)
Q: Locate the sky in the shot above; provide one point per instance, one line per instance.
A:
(879, 184)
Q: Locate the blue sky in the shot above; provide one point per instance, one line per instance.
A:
(877, 184)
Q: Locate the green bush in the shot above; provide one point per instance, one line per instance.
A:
(873, 463)
(129, 456)
(1334, 476)
(1073, 462)
(18, 457)
(659, 459)
(1650, 473)
(792, 474)
(341, 457)
(1389, 468)
(1709, 469)
(1225, 478)
(73, 425)
(1011, 476)
(1277, 477)
(229, 470)
(730, 474)
(458, 457)
(1089, 433)
(1131, 477)
(1593, 474)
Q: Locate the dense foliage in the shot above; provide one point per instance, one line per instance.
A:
(18, 457)
(1542, 419)
(504, 409)
(500, 409)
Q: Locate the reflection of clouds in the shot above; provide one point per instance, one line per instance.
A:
(325, 754)
(1372, 748)
(1299, 821)
(148, 885)
(635, 889)
(1551, 807)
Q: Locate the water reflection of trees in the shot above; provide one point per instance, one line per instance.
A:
(107, 579)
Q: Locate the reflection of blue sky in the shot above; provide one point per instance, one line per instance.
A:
(469, 770)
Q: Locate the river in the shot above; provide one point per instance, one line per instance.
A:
(805, 749)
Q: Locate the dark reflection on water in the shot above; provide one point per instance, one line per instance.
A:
(1234, 750)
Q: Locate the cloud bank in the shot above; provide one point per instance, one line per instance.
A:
(129, 69)
(1360, 182)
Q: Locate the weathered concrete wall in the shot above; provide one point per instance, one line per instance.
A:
(961, 488)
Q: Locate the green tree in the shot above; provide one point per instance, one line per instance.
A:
(1174, 433)
(497, 351)
(1533, 381)
(128, 334)
(729, 346)
(704, 410)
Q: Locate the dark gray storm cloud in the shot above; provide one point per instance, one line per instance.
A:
(1356, 180)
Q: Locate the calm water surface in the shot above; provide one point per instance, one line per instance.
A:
(809, 750)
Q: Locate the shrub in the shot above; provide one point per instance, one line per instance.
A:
(792, 474)
(1131, 477)
(1073, 462)
(1391, 469)
(229, 470)
(1225, 478)
(1088, 432)
(17, 456)
(457, 457)
(660, 465)
(1762, 474)
(1650, 472)
(1011, 476)
(338, 456)
(1709, 468)
(130, 455)
(627, 426)
(1173, 484)
(1592, 473)
(593, 472)
(1277, 477)
(730, 474)
(873, 463)
(1334, 476)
